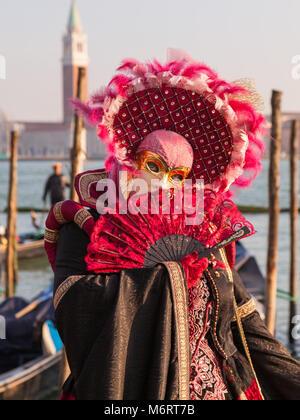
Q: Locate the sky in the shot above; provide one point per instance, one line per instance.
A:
(248, 38)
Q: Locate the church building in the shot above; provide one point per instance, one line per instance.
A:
(44, 140)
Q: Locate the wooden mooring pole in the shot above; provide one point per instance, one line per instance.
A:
(11, 256)
(77, 159)
(274, 212)
(77, 151)
(294, 212)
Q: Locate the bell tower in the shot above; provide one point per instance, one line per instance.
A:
(75, 55)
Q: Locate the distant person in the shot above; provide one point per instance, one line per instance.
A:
(56, 185)
(3, 239)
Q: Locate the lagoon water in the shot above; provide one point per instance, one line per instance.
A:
(33, 278)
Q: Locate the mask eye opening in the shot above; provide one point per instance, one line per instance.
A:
(153, 167)
(178, 178)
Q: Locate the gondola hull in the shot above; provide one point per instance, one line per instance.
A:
(35, 380)
(26, 251)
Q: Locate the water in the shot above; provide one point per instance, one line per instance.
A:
(34, 277)
(31, 177)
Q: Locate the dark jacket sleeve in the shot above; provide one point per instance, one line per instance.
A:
(71, 252)
(277, 371)
(118, 330)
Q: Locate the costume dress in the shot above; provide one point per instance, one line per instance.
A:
(183, 327)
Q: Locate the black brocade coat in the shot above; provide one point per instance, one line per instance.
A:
(121, 333)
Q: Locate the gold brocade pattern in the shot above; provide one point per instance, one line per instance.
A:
(58, 213)
(239, 321)
(206, 382)
(64, 288)
(51, 236)
(179, 291)
(85, 183)
(245, 310)
(81, 217)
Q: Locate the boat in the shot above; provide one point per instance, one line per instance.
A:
(250, 273)
(34, 249)
(35, 380)
(30, 368)
(30, 245)
(247, 267)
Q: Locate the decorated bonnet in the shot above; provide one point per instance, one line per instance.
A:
(221, 121)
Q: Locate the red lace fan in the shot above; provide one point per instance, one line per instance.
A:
(126, 241)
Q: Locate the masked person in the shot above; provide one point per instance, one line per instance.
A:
(148, 307)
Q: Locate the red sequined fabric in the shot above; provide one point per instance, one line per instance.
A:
(184, 112)
(206, 381)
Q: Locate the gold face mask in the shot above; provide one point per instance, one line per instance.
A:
(155, 165)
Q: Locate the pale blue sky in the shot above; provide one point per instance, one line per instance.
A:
(238, 38)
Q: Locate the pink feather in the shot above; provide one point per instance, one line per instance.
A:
(195, 70)
(120, 82)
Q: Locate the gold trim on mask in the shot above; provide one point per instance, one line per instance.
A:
(156, 166)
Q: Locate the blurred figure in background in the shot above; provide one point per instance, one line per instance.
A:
(3, 240)
(56, 185)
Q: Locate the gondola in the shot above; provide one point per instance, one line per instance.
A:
(34, 249)
(30, 367)
(30, 245)
(35, 380)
